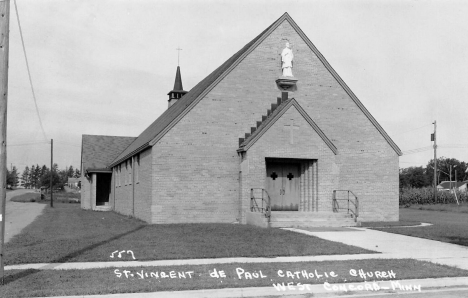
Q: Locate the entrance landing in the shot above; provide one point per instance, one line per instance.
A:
(297, 219)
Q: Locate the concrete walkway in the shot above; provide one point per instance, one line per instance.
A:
(397, 246)
(389, 245)
(19, 215)
(383, 288)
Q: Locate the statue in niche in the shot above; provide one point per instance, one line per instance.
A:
(287, 57)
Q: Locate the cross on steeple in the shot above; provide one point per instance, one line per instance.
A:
(292, 127)
(178, 54)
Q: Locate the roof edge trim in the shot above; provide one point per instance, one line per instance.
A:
(304, 114)
(345, 87)
(220, 78)
(136, 151)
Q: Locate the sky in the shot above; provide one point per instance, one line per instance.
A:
(105, 67)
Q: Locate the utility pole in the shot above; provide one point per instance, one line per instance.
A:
(51, 172)
(435, 160)
(4, 47)
(450, 175)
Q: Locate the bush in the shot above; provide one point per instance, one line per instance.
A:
(425, 195)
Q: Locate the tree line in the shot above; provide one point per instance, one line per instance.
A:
(423, 176)
(37, 176)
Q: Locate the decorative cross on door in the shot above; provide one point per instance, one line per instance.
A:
(273, 175)
(292, 127)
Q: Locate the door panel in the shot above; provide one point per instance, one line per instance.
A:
(291, 191)
(283, 186)
(274, 185)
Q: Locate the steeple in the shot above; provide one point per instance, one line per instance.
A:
(178, 91)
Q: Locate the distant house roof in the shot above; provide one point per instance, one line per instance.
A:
(73, 180)
(97, 152)
(180, 108)
(453, 184)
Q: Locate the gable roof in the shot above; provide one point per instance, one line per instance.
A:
(97, 151)
(274, 116)
(178, 110)
(172, 115)
(454, 184)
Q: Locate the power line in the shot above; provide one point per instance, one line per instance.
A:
(417, 150)
(27, 144)
(413, 129)
(29, 72)
(454, 146)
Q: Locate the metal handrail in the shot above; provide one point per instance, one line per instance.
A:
(265, 200)
(336, 206)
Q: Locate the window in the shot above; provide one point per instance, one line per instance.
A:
(119, 173)
(126, 171)
(129, 171)
(137, 169)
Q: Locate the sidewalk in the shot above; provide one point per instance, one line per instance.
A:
(397, 246)
(19, 215)
(390, 246)
(379, 288)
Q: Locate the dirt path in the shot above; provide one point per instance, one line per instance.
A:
(19, 215)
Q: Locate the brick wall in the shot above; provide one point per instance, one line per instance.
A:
(143, 186)
(85, 192)
(123, 192)
(196, 167)
(133, 195)
(307, 144)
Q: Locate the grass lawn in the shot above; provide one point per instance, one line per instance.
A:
(379, 224)
(61, 197)
(34, 283)
(462, 208)
(66, 233)
(27, 197)
(451, 227)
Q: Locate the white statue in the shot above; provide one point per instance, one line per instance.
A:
(287, 61)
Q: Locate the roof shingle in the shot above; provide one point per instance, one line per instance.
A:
(98, 151)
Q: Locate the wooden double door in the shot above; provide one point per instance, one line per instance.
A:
(283, 185)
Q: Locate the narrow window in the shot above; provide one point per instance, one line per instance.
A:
(137, 169)
(130, 171)
(120, 175)
(126, 171)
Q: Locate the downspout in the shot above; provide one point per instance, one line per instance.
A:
(133, 185)
(113, 179)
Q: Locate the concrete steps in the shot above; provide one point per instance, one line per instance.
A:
(291, 219)
(103, 208)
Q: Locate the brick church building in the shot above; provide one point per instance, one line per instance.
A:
(250, 144)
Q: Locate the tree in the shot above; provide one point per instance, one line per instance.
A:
(77, 173)
(14, 176)
(32, 177)
(443, 169)
(45, 180)
(25, 177)
(413, 177)
(70, 172)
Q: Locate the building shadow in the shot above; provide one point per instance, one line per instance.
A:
(67, 258)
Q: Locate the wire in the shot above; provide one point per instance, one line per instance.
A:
(408, 130)
(417, 150)
(27, 144)
(29, 72)
(453, 146)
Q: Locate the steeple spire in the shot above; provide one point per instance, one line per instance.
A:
(178, 81)
(178, 91)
